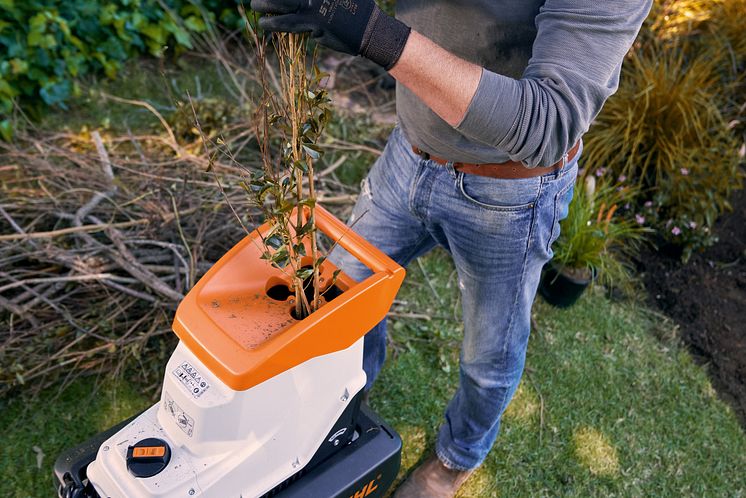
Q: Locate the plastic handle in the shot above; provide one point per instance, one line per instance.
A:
(343, 235)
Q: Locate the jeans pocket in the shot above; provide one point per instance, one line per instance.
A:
(500, 194)
(562, 201)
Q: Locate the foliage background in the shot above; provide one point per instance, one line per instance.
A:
(47, 45)
(675, 128)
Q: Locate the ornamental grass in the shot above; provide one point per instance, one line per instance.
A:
(664, 131)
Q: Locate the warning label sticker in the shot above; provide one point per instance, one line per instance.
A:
(183, 419)
(191, 378)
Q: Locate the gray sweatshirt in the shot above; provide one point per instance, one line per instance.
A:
(548, 68)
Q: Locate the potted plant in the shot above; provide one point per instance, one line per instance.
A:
(594, 244)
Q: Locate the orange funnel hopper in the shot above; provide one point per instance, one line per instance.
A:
(238, 321)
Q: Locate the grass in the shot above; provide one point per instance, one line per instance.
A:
(360, 130)
(162, 84)
(53, 422)
(609, 405)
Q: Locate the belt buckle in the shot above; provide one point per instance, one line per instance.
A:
(423, 155)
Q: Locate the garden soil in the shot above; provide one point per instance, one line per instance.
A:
(707, 299)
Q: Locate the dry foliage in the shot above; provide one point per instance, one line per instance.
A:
(715, 27)
(101, 236)
(672, 20)
(98, 245)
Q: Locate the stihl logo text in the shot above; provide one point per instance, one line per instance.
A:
(367, 489)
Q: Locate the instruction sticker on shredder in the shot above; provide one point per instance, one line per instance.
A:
(191, 378)
(184, 421)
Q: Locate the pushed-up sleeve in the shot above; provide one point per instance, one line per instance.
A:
(574, 67)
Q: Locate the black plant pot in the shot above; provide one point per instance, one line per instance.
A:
(559, 288)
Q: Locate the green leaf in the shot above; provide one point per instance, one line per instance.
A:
(110, 66)
(304, 273)
(306, 228)
(273, 241)
(35, 38)
(285, 207)
(155, 32)
(56, 93)
(256, 186)
(280, 258)
(182, 37)
(301, 165)
(6, 130)
(6, 90)
(195, 24)
(38, 22)
(312, 151)
(261, 195)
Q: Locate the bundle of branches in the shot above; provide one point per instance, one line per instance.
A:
(97, 247)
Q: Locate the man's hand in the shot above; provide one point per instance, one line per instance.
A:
(356, 27)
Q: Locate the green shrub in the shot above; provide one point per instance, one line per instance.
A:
(45, 45)
(714, 27)
(673, 20)
(663, 130)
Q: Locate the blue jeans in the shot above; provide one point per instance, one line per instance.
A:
(499, 233)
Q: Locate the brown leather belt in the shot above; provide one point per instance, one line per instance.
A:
(507, 170)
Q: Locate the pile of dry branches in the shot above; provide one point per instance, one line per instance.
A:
(100, 238)
(98, 243)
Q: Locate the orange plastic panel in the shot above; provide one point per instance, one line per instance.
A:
(245, 337)
(148, 451)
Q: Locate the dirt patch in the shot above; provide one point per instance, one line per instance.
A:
(707, 298)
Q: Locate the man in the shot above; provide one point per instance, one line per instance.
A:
(493, 97)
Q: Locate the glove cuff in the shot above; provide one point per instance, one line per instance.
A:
(384, 39)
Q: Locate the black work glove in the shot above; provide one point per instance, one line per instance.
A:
(356, 27)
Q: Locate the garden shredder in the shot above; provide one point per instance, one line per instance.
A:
(255, 403)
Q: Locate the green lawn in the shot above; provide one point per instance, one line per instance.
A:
(609, 407)
(162, 84)
(52, 422)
